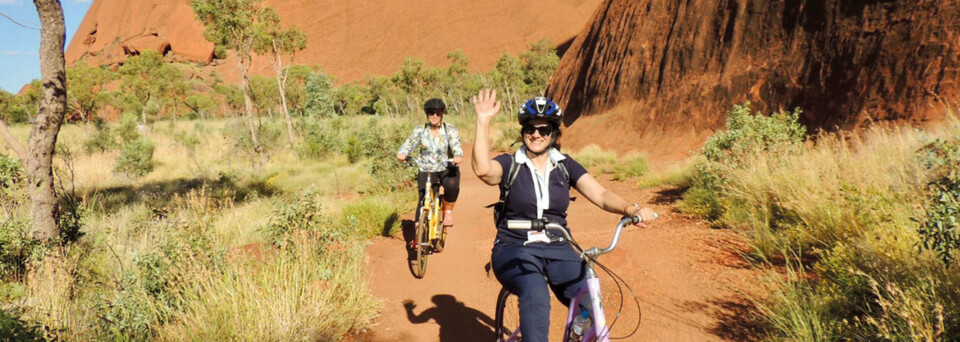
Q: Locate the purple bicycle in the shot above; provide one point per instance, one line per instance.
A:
(582, 325)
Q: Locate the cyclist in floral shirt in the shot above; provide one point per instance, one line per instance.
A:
(437, 141)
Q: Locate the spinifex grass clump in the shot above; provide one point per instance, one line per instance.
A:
(842, 212)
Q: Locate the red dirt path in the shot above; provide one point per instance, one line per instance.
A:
(688, 276)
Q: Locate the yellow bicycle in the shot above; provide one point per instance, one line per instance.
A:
(430, 235)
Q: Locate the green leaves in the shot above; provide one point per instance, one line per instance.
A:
(940, 229)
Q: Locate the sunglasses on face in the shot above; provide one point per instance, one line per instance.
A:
(544, 130)
(435, 113)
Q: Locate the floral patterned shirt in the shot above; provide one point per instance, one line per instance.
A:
(433, 150)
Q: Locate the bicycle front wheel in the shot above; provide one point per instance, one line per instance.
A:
(507, 321)
(423, 245)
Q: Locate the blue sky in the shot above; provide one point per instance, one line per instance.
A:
(19, 63)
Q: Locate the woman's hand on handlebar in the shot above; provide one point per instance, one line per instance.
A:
(646, 215)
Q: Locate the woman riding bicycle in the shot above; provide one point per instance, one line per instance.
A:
(524, 262)
(438, 141)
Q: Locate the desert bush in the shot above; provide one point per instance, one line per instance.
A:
(301, 217)
(129, 130)
(270, 134)
(102, 139)
(941, 225)
(746, 135)
(18, 248)
(136, 158)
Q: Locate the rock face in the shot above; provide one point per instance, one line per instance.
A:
(349, 39)
(116, 29)
(663, 68)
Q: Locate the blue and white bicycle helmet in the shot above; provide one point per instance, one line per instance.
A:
(540, 107)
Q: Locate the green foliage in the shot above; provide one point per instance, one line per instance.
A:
(270, 133)
(265, 94)
(17, 248)
(319, 95)
(539, 63)
(129, 130)
(20, 108)
(370, 217)
(136, 158)
(229, 24)
(303, 216)
(11, 173)
(746, 135)
(85, 89)
(940, 229)
(296, 80)
(146, 79)
(102, 139)
(632, 166)
(201, 104)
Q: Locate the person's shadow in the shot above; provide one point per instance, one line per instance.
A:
(457, 321)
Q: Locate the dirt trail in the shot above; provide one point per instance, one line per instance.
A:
(688, 276)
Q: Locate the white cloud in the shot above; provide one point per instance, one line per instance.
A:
(11, 2)
(19, 53)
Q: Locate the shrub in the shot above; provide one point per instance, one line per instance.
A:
(303, 216)
(129, 127)
(136, 158)
(746, 135)
(940, 229)
(12, 179)
(17, 247)
(102, 139)
(269, 133)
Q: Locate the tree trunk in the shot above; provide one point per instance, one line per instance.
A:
(281, 79)
(43, 137)
(248, 106)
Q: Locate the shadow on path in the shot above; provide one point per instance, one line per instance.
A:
(457, 321)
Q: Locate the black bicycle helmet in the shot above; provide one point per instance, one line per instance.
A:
(434, 103)
(540, 107)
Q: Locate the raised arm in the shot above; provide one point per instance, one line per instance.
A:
(486, 105)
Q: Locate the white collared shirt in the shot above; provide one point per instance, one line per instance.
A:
(541, 180)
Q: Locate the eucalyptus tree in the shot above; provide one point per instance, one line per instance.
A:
(231, 24)
(274, 41)
(86, 93)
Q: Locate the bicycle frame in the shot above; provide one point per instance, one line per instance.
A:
(590, 290)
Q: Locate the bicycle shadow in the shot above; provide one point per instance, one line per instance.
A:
(457, 321)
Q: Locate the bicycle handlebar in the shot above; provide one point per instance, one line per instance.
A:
(416, 162)
(544, 224)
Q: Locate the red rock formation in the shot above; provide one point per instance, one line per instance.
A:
(661, 68)
(112, 30)
(350, 39)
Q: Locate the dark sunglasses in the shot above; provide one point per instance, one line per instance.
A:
(544, 130)
(435, 112)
